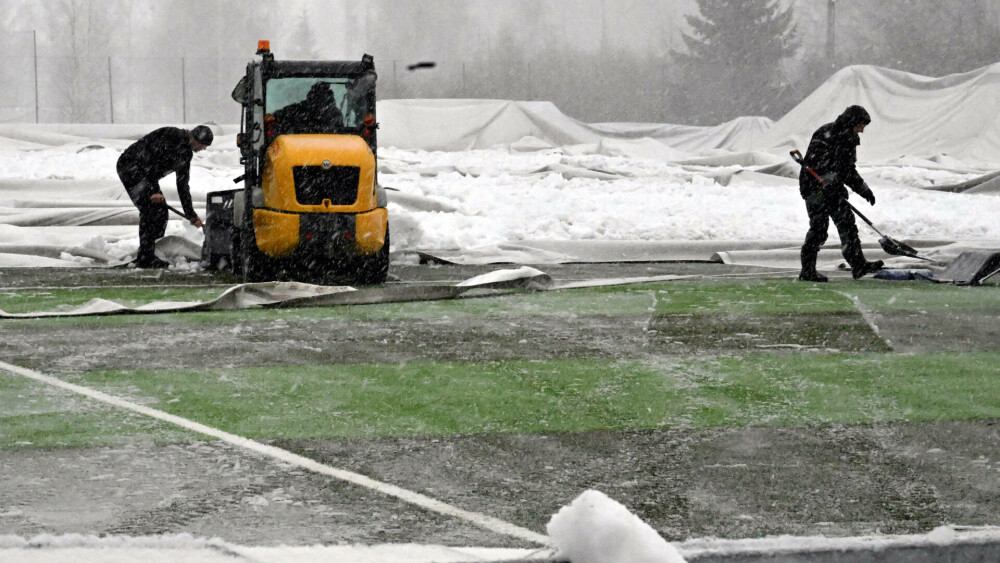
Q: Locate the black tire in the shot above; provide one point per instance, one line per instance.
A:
(237, 253)
(256, 266)
(374, 269)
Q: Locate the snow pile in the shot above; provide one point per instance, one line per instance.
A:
(63, 206)
(595, 529)
(500, 196)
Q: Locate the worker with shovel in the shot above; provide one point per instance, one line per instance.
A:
(140, 168)
(832, 155)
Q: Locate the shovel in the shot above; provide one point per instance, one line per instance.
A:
(174, 209)
(888, 244)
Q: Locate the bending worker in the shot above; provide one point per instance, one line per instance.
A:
(140, 168)
(833, 154)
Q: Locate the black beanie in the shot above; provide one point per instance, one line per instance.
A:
(203, 135)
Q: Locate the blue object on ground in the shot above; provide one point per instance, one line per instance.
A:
(904, 275)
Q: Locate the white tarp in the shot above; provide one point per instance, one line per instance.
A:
(297, 294)
(518, 172)
(458, 125)
(949, 119)
(953, 121)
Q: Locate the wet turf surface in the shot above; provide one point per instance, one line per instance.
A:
(832, 479)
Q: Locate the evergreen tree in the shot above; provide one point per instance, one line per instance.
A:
(732, 62)
(302, 44)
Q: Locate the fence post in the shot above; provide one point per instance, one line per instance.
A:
(184, 108)
(34, 48)
(111, 94)
(531, 89)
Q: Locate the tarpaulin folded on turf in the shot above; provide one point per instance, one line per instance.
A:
(600, 251)
(297, 294)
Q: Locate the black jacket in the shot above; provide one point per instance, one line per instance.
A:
(156, 155)
(833, 154)
(318, 113)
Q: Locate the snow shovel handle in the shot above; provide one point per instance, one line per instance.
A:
(863, 218)
(797, 157)
(174, 209)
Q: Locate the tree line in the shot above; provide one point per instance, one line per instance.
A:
(735, 57)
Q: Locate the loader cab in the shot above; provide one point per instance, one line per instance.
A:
(276, 100)
(310, 205)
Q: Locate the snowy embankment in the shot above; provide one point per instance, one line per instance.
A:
(472, 173)
(63, 204)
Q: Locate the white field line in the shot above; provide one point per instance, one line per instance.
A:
(867, 315)
(423, 501)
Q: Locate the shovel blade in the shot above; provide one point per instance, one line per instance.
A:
(896, 248)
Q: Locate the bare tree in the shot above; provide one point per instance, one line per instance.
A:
(78, 75)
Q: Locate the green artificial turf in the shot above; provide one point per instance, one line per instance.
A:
(738, 297)
(714, 388)
(924, 296)
(530, 397)
(34, 415)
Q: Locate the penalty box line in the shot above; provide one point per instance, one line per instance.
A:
(480, 520)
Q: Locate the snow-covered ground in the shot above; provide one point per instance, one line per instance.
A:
(473, 173)
(67, 196)
(500, 196)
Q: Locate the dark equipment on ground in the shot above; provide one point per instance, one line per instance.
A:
(311, 208)
(972, 267)
(888, 244)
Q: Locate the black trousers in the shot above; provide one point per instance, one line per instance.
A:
(152, 217)
(821, 210)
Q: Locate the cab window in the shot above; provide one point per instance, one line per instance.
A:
(314, 103)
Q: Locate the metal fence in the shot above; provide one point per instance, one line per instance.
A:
(176, 90)
(125, 89)
(114, 89)
(120, 90)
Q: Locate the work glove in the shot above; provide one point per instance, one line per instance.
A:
(829, 179)
(867, 194)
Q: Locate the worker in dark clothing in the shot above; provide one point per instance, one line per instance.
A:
(140, 168)
(318, 113)
(832, 154)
